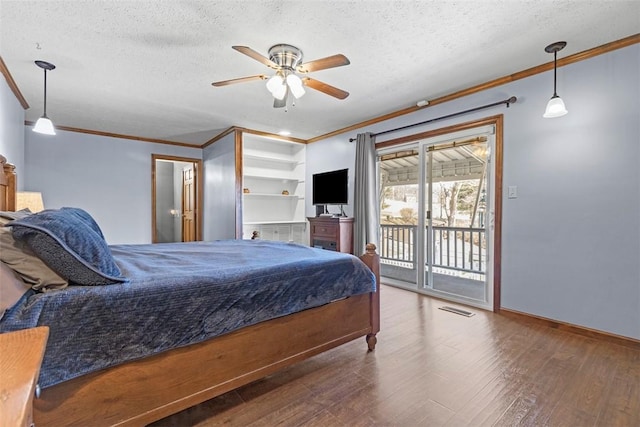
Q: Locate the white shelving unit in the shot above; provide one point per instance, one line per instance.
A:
(273, 189)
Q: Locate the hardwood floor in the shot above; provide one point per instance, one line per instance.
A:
(436, 368)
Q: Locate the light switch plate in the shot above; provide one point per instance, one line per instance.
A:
(513, 191)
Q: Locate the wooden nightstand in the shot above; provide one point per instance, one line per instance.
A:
(21, 354)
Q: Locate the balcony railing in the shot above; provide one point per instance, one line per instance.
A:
(454, 248)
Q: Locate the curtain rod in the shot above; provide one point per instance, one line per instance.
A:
(459, 113)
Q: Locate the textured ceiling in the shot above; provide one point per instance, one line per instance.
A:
(144, 68)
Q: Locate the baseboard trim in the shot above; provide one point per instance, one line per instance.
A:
(568, 327)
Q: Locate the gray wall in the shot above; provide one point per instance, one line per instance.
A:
(328, 155)
(108, 177)
(219, 189)
(571, 240)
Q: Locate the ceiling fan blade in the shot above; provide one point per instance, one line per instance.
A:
(322, 64)
(255, 55)
(239, 80)
(325, 88)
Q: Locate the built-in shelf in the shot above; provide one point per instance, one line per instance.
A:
(273, 222)
(275, 178)
(269, 168)
(269, 159)
(287, 196)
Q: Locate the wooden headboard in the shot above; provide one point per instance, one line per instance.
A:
(7, 185)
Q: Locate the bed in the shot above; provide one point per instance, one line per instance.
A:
(148, 387)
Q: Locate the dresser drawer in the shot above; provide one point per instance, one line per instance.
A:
(324, 230)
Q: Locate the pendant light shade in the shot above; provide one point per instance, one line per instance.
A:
(44, 125)
(555, 106)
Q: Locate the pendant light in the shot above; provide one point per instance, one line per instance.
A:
(555, 106)
(44, 124)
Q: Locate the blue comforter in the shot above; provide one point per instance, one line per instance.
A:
(178, 294)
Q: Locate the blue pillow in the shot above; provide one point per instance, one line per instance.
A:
(86, 217)
(68, 243)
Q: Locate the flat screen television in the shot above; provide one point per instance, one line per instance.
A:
(331, 188)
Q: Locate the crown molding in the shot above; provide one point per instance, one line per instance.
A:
(119, 135)
(12, 84)
(253, 132)
(220, 136)
(580, 56)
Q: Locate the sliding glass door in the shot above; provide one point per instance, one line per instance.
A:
(436, 196)
(455, 243)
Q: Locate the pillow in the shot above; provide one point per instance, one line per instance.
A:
(11, 288)
(64, 240)
(18, 257)
(8, 216)
(86, 217)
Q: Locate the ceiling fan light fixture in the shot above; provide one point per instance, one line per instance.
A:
(274, 83)
(280, 92)
(297, 91)
(295, 84)
(277, 86)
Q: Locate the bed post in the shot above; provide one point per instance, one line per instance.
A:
(8, 183)
(372, 260)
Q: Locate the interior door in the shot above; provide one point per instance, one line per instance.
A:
(188, 205)
(176, 198)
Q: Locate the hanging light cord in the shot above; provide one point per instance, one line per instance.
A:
(555, 70)
(45, 92)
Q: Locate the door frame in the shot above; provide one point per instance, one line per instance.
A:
(497, 122)
(198, 172)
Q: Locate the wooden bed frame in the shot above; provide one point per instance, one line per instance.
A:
(140, 392)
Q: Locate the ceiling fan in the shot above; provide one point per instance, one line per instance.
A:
(286, 60)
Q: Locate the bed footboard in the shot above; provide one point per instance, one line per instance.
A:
(140, 392)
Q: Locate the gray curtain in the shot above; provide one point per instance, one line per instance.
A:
(366, 206)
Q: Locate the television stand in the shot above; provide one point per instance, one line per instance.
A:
(332, 233)
(324, 211)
